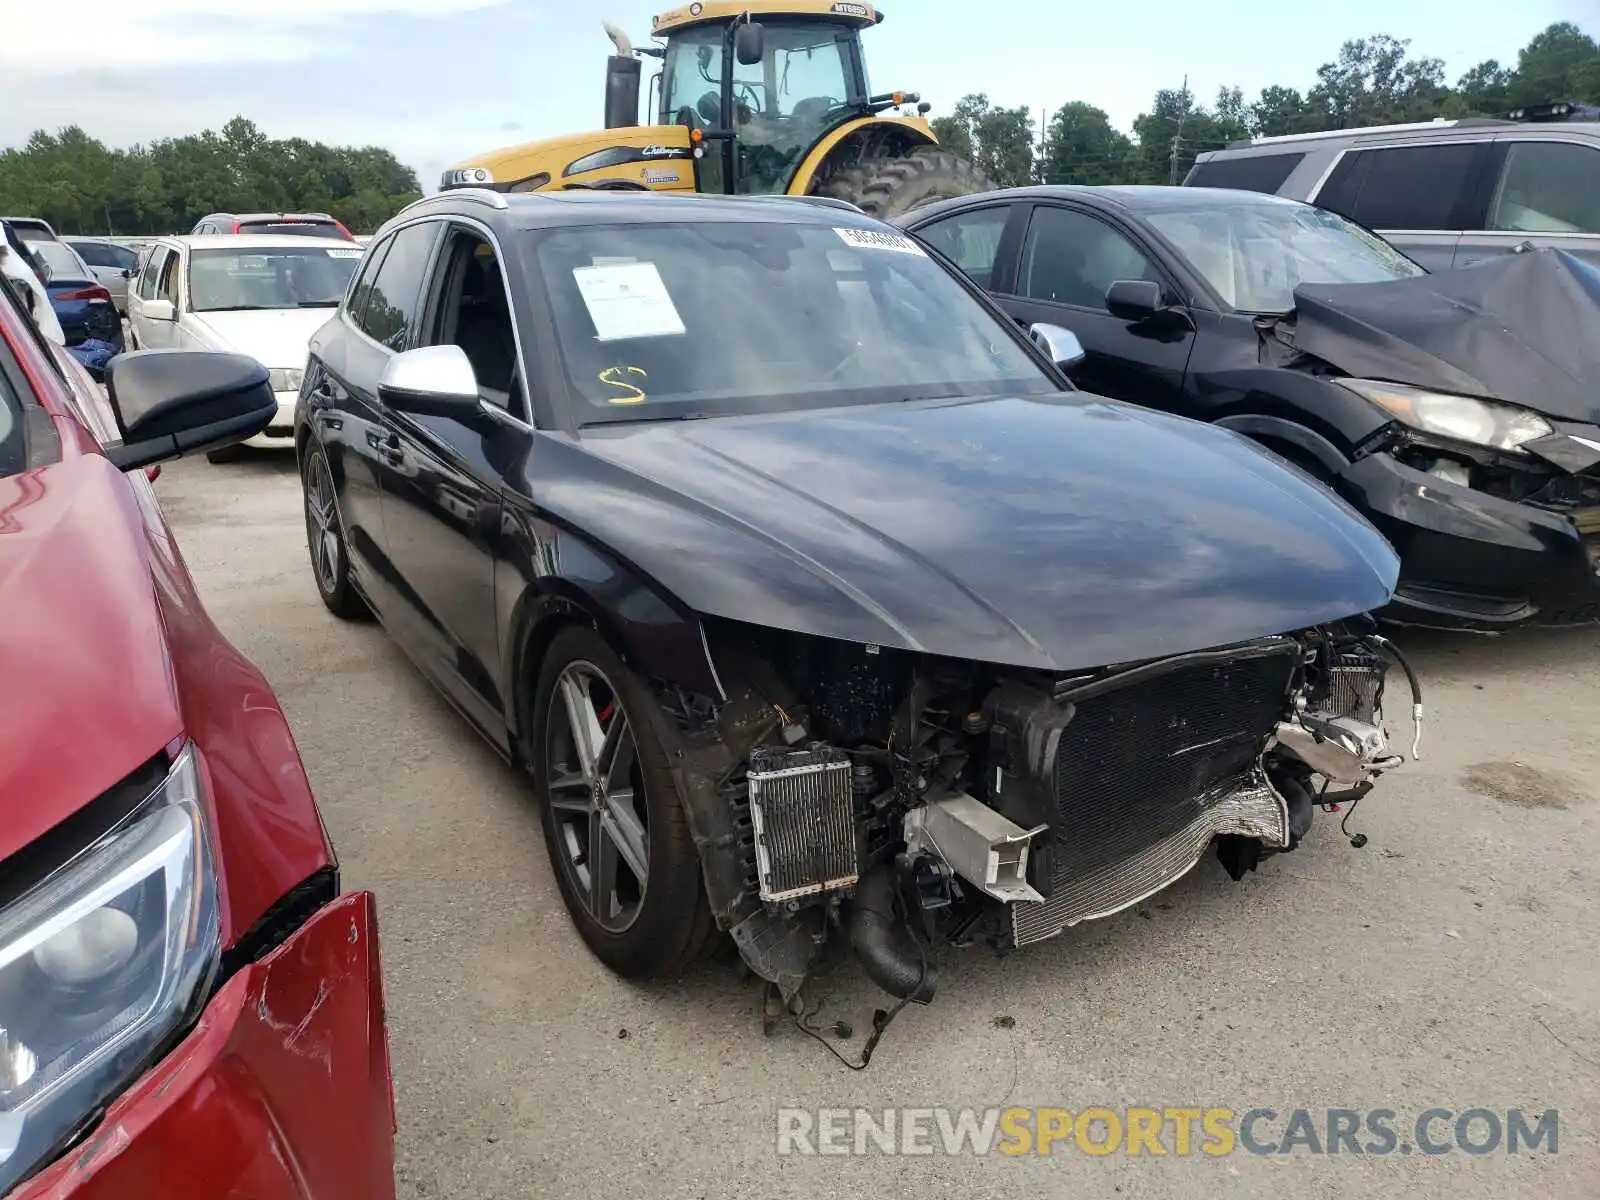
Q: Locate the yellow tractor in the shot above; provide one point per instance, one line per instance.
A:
(753, 97)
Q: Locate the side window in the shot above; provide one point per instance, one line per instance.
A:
(152, 272)
(1245, 172)
(96, 254)
(1548, 187)
(1073, 258)
(123, 258)
(395, 303)
(167, 289)
(971, 240)
(361, 289)
(1415, 187)
(474, 312)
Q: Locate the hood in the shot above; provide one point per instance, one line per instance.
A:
(86, 688)
(1057, 533)
(274, 337)
(1522, 329)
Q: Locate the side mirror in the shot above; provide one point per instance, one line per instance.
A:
(128, 272)
(1061, 345)
(750, 43)
(169, 403)
(1134, 299)
(158, 310)
(433, 381)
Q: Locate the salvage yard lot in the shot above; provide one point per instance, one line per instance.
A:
(1450, 963)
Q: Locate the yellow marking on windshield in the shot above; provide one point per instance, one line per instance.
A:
(633, 393)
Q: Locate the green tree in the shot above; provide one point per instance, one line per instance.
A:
(81, 186)
(1080, 146)
(999, 140)
(1558, 60)
(1374, 82)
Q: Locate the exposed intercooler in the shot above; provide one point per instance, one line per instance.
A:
(1144, 775)
(802, 810)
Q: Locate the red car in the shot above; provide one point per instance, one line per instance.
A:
(188, 1005)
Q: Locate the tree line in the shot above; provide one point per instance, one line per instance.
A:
(1374, 81)
(80, 185)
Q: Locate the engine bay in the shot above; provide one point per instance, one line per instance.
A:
(875, 799)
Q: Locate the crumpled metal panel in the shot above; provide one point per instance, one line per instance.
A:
(1249, 807)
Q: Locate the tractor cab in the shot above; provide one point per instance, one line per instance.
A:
(762, 88)
(753, 97)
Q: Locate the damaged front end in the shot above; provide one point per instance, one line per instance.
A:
(882, 800)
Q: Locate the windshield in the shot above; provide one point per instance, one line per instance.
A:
(1255, 255)
(671, 320)
(60, 261)
(270, 277)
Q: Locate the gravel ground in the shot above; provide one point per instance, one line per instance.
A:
(1450, 963)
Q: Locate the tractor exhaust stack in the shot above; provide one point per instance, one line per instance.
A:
(622, 81)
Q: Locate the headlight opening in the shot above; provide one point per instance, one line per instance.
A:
(101, 965)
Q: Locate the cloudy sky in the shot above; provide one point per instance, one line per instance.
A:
(434, 80)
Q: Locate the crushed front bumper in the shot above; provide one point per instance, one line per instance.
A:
(280, 1092)
(1471, 560)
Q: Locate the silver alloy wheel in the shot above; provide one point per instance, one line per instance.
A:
(595, 796)
(322, 526)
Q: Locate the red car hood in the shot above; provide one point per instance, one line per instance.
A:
(86, 687)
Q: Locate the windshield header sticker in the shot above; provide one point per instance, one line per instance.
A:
(873, 239)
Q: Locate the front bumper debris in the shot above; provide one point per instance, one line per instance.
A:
(1473, 560)
(281, 1091)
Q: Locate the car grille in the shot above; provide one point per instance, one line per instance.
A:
(1146, 775)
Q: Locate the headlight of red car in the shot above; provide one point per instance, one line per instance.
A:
(100, 966)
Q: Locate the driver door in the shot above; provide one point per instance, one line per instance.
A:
(1069, 260)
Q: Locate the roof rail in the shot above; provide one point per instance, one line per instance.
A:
(1407, 127)
(486, 196)
(819, 201)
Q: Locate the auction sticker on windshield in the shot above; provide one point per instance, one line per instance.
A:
(627, 300)
(872, 239)
(345, 253)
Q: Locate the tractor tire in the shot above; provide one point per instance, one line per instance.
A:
(888, 187)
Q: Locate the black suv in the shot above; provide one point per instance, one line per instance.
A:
(790, 568)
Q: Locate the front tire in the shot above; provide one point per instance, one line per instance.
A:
(619, 841)
(330, 557)
(888, 187)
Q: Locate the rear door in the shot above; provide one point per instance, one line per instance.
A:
(148, 332)
(1069, 259)
(1420, 197)
(347, 358)
(1543, 191)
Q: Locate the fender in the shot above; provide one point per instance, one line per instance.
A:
(1334, 413)
(1279, 429)
(914, 131)
(553, 576)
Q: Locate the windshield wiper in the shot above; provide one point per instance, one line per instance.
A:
(239, 308)
(319, 304)
(688, 416)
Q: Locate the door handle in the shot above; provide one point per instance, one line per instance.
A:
(387, 445)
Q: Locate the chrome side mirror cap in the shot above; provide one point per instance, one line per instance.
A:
(432, 381)
(1062, 345)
